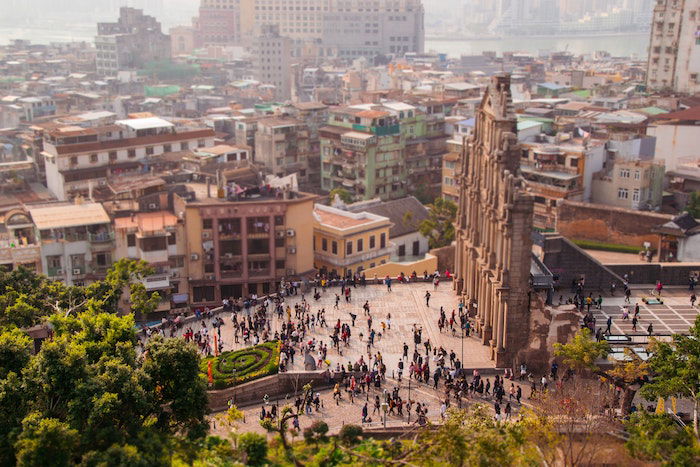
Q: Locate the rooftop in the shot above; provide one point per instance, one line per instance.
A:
(147, 221)
(406, 213)
(345, 220)
(68, 215)
(147, 123)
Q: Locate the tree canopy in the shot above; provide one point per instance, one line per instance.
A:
(439, 227)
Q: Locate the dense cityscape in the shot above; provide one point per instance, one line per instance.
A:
(328, 232)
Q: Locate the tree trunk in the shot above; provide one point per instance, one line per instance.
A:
(626, 402)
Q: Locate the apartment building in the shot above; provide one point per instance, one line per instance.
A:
(450, 180)
(244, 243)
(282, 145)
(159, 239)
(77, 241)
(631, 184)
(218, 23)
(674, 46)
(558, 171)
(79, 159)
(340, 28)
(346, 243)
(272, 55)
(315, 116)
(19, 243)
(362, 151)
(131, 42)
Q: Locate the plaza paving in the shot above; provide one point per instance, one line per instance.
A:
(676, 315)
(405, 302)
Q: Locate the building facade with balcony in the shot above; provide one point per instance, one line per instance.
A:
(282, 145)
(19, 245)
(559, 171)
(631, 184)
(77, 241)
(159, 239)
(245, 244)
(79, 159)
(346, 243)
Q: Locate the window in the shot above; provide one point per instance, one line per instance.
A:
(324, 244)
(73, 160)
(334, 247)
(203, 294)
(207, 224)
(360, 245)
(167, 148)
(416, 248)
(348, 248)
(201, 143)
(279, 220)
(636, 175)
(185, 146)
(93, 158)
(113, 156)
(149, 151)
(132, 153)
(382, 241)
(280, 264)
(625, 173)
(372, 242)
(172, 239)
(402, 251)
(279, 242)
(131, 240)
(635, 195)
(622, 193)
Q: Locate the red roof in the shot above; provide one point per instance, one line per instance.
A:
(692, 113)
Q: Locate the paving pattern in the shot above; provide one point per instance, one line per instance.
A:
(676, 315)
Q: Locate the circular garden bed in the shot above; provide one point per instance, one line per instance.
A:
(241, 366)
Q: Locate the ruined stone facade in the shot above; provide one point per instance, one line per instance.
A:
(494, 228)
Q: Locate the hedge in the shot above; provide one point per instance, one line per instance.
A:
(593, 245)
(251, 363)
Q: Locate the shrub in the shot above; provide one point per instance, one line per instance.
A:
(316, 432)
(350, 434)
(249, 364)
(254, 446)
(593, 245)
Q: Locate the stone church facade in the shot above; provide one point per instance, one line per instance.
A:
(494, 228)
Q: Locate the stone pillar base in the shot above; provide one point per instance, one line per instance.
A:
(503, 359)
(486, 335)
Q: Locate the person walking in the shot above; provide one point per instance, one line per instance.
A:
(634, 323)
(364, 413)
(607, 329)
(427, 298)
(693, 299)
(650, 329)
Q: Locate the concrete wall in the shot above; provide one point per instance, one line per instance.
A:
(276, 387)
(674, 142)
(668, 274)
(570, 262)
(584, 221)
(392, 269)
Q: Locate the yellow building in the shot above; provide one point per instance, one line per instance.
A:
(349, 242)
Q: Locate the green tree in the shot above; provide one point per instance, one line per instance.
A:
(14, 352)
(676, 369)
(46, 441)
(658, 438)
(254, 446)
(439, 227)
(693, 207)
(172, 370)
(583, 352)
(342, 193)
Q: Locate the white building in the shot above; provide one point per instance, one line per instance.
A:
(79, 159)
(677, 135)
(674, 46)
(76, 240)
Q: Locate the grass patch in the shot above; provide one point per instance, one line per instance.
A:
(241, 366)
(602, 246)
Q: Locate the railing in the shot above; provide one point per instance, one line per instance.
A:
(102, 237)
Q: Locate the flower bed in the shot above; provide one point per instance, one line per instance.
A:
(249, 364)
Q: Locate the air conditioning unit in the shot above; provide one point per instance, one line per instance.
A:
(194, 256)
(291, 272)
(102, 183)
(175, 274)
(292, 250)
(152, 206)
(210, 277)
(228, 255)
(76, 272)
(206, 235)
(59, 272)
(291, 233)
(280, 234)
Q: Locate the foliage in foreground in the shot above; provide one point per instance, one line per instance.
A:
(658, 438)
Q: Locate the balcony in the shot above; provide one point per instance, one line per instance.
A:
(161, 281)
(156, 256)
(102, 237)
(259, 272)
